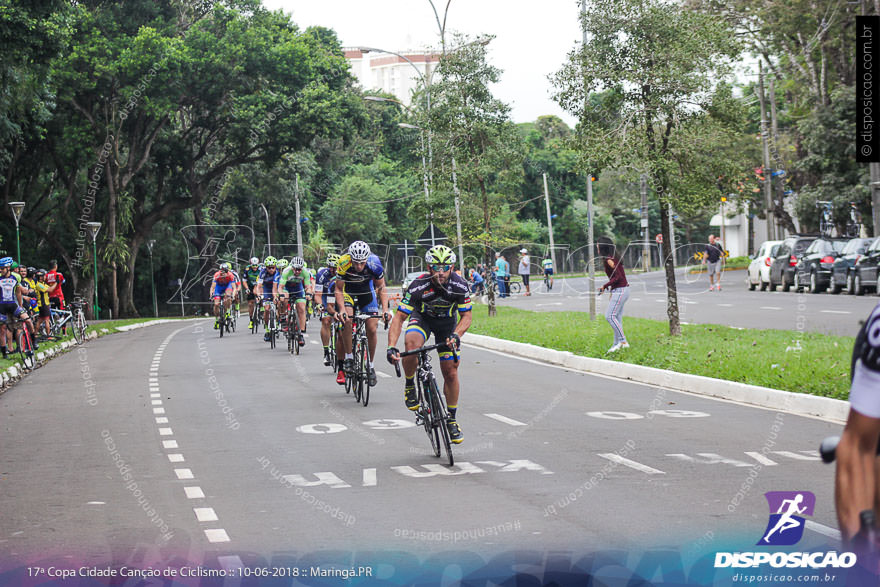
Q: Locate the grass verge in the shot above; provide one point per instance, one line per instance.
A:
(780, 359)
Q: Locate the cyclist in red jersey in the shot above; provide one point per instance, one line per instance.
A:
(224, 286)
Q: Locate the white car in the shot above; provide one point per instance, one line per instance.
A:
(759, 268)
(408, 279)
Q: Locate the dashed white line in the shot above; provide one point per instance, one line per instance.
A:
(155, 395)
(380, 374)
(176, 458)
(161, 420)
(165, 432)
(761, 458)
(153, 380)
(770, 308)
(505, 419)
(314, 342)
(822, 529)
(194, 492)
(156, 402)
(834, 312)
(169, 444)
(205, 514)
(217, 535)
(725, 305)
(184, 473)
(158, 410)
(631, 464)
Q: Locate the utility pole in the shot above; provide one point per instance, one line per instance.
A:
(458, 217)
(299, 236)
(550, 224)
(591, 271)
(768, 179)
(646, 244)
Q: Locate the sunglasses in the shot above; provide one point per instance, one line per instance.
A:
(441, 267)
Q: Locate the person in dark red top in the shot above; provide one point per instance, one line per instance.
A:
(619, 288)
(56, 298)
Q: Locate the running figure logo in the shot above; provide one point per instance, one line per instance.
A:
(786, 526)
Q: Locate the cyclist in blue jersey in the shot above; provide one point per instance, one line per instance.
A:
(10, 302)
(268, 284)
(360, 286)
(325, 283)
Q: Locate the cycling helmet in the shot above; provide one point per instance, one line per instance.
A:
(440, 254)
(41, 273)
(282, 264)
(225, 266)
(15, 264)
(297, 263)
(31, 271)
(6, 262)
(332, 260)
(270, 261)
(255, 260)
(359, 251)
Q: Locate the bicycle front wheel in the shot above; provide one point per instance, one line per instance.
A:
(25, 348)
(515, 287)
(79, 328)
(358, 383)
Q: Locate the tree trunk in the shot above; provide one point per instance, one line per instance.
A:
(128, 286)
(669, 268)
(490, 294)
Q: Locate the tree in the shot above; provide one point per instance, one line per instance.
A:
(662, 109)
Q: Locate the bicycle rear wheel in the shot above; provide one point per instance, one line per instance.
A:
(79, 327)
(358, 383)
(222, 322)
(515, 287)
(441, 418)
(429, 415)
(25, 348)
(365, 379)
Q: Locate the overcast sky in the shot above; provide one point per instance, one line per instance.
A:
(532, 38)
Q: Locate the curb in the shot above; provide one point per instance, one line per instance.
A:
(17, 371)
(796, 403)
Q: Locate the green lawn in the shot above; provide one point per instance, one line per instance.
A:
(814, 363)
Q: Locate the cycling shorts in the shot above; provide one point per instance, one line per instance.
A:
(45, 312)
(7, 308)
(440, 327)
(364, 302)
(296, 292)
(220, 289)
(548, 271)
(328, 300)
(56, 303)
(251, 295)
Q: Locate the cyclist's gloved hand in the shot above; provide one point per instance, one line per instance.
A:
(393, 355)
(387, 317)
(456, 340)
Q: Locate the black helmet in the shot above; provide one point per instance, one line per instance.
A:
(31, 271)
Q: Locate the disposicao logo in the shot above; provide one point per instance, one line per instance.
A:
(786, 524)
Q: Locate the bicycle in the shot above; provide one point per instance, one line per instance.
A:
(292, 332)
(514, 287)
(335, 327)
(272, 325)
(547, 282)
(361, 351)
(431, 413)
(24, 342)
(826, 222)
(74, 318)
(257, 315)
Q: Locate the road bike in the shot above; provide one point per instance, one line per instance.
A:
(24, 342)
(75, 318)
(548, 285)
(431, 413)
(272, 324)
(257, 316)
(358, 380)
(293, 332)
(514, 287)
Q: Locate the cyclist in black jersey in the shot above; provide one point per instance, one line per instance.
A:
(437, 302)
(857, 483)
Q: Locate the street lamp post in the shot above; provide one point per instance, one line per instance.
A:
(150, 244)
(94, 227)
(268, 236)
(17, 209)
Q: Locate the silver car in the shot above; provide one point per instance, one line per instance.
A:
(759, 268)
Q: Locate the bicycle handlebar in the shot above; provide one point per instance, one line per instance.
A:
(424, 349)
(828, 449)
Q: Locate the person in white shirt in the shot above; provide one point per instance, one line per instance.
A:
(524, 268)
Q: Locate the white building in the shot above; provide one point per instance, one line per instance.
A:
(390, 73)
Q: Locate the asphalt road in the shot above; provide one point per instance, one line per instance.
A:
(168, 446)
(734, 305)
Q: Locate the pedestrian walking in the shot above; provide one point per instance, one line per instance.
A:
(619, 288)
(502, 273)
(523, 269)
(713, 258)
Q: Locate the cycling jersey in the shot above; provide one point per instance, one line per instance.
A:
(864, 394)
(223, 282)
(359, 282)
(42, 295)
(294, 283)
(548, 266)
(267, 279)
(7, 289)
(251, 275)
(56, 277)
(325, 284)
(435, 300)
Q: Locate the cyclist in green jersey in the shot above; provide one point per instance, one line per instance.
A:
(296, 283)
(547, 264)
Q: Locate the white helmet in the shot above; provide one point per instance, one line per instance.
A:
(359, 251)
(255, 260)
(297, 263)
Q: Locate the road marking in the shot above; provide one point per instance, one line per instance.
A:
(380, 374)
(822, 529)
(770, 308)
(637, 299)
(709, 458)
(369, 478)
(205, 514)
(165, 432)
(324, 478)
(615, 415)
(505, 419)
(794, 455)
(175, 458)
(725, 305)
(194, 492)
(761, 458)
(325, 428)
(835, 312)
(631, 464)
(169, 444)
(549, 304)
(389, 424)
(184, 473)
(217, 535)
(154, 380)
(156, 402)
(155, 395)
(161, 420)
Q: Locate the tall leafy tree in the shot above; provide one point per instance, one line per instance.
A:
(662, 110)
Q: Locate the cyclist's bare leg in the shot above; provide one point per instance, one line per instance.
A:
(326, 321)
(412, 341)
(301, 315)
(449, 369)
(346, 331)
(372, 325)
(217, 306)
(251, 304)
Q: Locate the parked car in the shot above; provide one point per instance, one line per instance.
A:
(842, 270)
(759, 268)
(813, 270)
(865, 270)
(786, 258)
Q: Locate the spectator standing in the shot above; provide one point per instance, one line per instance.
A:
(502, 272)
(56, 297)
(524, 269)
(619, 288)
(44, 291)
(714, 260)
